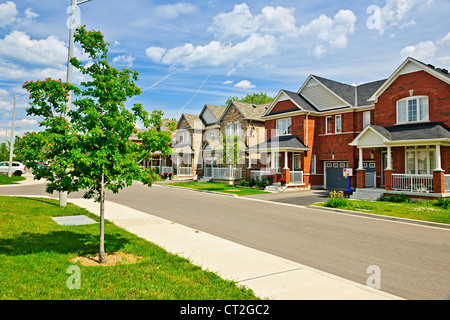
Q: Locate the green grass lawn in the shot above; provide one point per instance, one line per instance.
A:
(4, 179)
(35, 253)
(218, 187)
(426, 211)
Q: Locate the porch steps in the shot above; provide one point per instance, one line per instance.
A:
(204, 179)
(370, 194)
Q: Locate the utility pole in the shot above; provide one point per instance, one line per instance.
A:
(63, 194)
(11, 145)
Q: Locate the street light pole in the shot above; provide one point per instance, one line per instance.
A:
(63, 194)
(11, 147)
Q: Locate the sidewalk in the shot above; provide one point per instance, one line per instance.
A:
(270, 277)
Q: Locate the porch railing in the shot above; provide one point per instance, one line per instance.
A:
(258, 174)
(163, 169)
(371, 179)
(184, 171)
(225, 173)
(296, 176)
(412, 182)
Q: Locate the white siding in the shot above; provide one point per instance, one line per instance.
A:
(321, 97)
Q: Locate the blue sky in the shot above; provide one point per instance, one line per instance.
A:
(190, 53)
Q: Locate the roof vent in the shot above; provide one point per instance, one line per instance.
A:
(431, 66)
(445, 71)
(253, 106)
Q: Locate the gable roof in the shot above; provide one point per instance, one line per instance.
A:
(249, 111)
(281, 143)
(216, 111)
(192, 120)
(411, 65)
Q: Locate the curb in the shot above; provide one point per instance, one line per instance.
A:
(200, 190)
(383, 217)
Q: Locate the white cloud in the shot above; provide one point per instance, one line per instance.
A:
(215, 53)
(319, 51)
(172, 11)
(445, 39)
(422, 51)
(8, 13)
(244, 84)
(334, 31)
(228, 82)
(19, 46)
(242, 23)
(124, 59)
(396, 11)
(155, 53)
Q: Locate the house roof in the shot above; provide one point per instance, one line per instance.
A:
(418, 131)
(249, 111)
(411, 65)
(192, 120)
(281, 143)
(217, 111)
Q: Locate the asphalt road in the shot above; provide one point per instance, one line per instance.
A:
(413, 259)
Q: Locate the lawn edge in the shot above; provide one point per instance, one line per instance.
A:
(383, 217)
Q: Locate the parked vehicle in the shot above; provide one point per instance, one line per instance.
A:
(17, 168)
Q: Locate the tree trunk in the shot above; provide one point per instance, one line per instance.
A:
(102, 220)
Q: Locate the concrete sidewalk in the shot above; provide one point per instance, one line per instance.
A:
(270, 277)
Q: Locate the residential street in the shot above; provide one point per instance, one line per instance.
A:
(413, 259)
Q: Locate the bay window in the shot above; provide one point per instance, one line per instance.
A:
(420, 159)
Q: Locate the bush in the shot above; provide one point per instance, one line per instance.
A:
(443, 203)
(243, 183)
(395, 198)
(337, 200)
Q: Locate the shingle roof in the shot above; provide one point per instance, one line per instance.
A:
(299, 100)
(193, 120)
(416, 131)
(281, 142)
(251, 111)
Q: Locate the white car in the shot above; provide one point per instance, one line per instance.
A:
(17, 168)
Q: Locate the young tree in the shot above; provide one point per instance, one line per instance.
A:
(4, 152)
(92, 151)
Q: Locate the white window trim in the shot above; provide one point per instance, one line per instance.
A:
(416, 158)
(336, 122)
(278, 131)
(369, 120)
(419, 116)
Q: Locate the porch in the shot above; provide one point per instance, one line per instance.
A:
(411, 166)
(283, 158)
(229, 173)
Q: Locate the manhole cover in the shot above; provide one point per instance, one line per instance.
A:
(73, 220)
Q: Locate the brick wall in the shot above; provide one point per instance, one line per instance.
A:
(422, 83)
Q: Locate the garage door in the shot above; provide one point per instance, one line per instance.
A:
(334, 178)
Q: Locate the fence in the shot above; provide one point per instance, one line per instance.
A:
(184, 171)
(412, 182)
(258, 174)
(371, 178)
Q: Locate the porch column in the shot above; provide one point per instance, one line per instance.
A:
(388, 179)
(389, 159)
(286, 161)
(438, 158)
(360, 178)
(360, 160)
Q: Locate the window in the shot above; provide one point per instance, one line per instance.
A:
(420, 159)
(297, 162)
(284, 127)
(313, 163)
(338, 124)
(328, 125)
(412, 109)
(366, 118)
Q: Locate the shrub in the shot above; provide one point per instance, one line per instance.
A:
(337, 200)
(395, 198)
(443, 203)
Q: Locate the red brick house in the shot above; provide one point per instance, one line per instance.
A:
(393, 133)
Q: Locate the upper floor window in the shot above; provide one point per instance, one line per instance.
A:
(337, 124)
(284, 127)
(329, 125)
(412, 109)
(366, 118)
